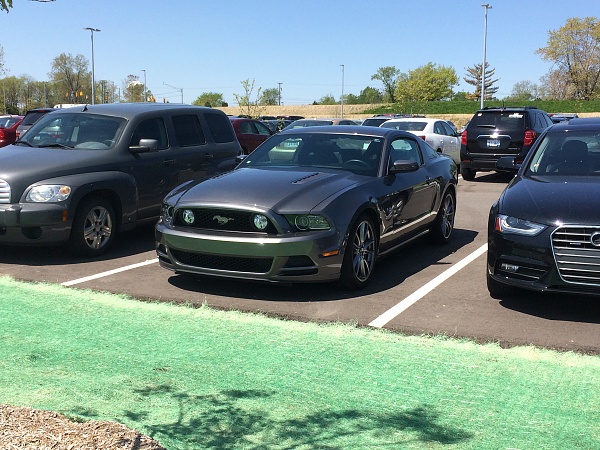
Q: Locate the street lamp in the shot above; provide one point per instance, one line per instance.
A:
(486, 7)
(145, 91)
(342, 97)
(179, 89)
(93, 75)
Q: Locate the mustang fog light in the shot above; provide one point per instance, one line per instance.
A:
(260, 221)
(188, 216)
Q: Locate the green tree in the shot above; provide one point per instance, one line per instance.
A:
(370, 95)
(474, 78)
(575, 50)
(133, 89)
(555, 85)
(426, 83)
(328, 99)
(210, 99)
(248, 106)
(387, 75)
(5, 4)
(70, 73)
(270, 97)
(524, 91)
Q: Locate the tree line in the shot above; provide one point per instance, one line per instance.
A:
(573, 50)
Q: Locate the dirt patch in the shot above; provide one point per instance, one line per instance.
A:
(25, 428)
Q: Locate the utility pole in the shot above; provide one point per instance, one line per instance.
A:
(486, 7)
(93, 77)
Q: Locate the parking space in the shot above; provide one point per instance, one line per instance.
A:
(445, 286)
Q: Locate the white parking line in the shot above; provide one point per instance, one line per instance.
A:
(393, 312)
(110, 272)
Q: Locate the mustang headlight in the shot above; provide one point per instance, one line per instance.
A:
(514, 225)
(166, 214)
(48, 193)
(304, 222)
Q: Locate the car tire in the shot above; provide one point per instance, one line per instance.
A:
(360, 255)
(93, 228)
(498, 290)
(443, 225)
(468, 174)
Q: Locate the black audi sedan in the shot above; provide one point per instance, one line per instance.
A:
(311, 204)
(544, 230)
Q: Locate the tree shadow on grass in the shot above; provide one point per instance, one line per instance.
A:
(235, 419)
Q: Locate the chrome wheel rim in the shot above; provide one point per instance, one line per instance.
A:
(447, 222)
(363, 251)
(97, 228)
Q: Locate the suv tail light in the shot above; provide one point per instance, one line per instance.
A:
(530, 136)
(463, 138)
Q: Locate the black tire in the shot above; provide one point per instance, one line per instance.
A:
(498, 290)
(360, 255)
(468, 174)
(94, 227)
(443, 225)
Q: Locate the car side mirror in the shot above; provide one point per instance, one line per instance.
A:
(404, 166)
(146, 145)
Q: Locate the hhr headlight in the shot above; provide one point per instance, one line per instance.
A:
(48, 193)
(514, 225)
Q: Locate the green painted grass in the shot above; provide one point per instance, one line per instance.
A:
(206, 379)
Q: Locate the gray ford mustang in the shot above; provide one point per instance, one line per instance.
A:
(311, 204)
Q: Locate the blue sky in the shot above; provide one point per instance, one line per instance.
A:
(212, 45)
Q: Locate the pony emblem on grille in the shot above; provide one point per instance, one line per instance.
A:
(222, 220)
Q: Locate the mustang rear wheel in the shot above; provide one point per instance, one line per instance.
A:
(360, 255)
(443, 225)
(93, 227)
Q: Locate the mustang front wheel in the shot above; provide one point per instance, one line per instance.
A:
(360, 255)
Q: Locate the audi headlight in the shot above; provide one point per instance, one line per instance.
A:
(305, 222)
(514, 225)
(48, 193)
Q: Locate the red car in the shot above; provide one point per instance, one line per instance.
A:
(8, 129)
(250, 133)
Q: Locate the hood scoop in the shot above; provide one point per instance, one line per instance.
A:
(311, 177)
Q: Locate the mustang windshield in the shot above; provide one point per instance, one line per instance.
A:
(354, 153)
(81, 131)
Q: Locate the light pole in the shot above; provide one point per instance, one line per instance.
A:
(179, 89)
(145, 91)
(486, 7)
(93, 75)
(279, 101)
(342, 97)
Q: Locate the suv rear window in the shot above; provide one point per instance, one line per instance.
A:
(220, 127)
(505, 120)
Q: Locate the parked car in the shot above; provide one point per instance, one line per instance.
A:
(378, 119)
(80, 175)
(436, 132)
(8, 129)
(311, 204)
(544, 231)
(250, 133)
(496, 132)
(318, 122)
(276, 125)
(30, 118)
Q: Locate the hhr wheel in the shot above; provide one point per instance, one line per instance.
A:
(93, 227)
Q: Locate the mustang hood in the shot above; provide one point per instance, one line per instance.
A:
(551, 200)
(294, 190)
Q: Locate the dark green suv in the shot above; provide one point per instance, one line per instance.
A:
(493, 133)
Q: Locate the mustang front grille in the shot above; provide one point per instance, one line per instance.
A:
(577, 254)
(4, 192)
(217, 262)
(220, 219)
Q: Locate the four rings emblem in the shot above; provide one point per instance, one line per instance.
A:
(595, 239)
(225, 220)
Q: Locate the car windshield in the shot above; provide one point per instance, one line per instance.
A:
(80, 130)
(358, 154)
(567, 154)
(405, 126)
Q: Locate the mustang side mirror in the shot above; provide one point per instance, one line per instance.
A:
(403, 166)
